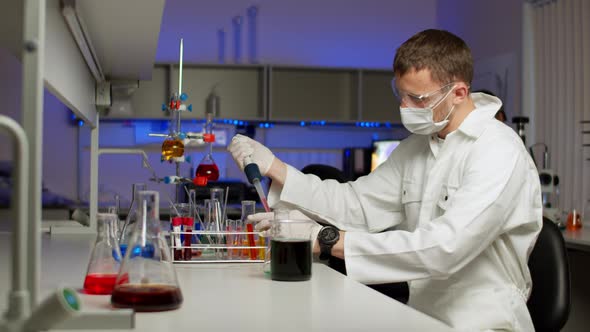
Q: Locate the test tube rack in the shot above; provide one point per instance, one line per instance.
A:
(216, 247)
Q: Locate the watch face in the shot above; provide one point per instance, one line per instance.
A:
(329, 235)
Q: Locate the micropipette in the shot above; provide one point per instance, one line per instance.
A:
(253, 174)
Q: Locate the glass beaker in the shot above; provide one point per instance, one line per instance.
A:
(105, 258)
(147, 279)
(291, 249)
(126, 228)
(281, 214)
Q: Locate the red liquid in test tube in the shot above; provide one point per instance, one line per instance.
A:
(251, 243)
(176, 227)
(188, 227)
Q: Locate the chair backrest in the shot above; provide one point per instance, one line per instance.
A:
(549, 304)
(325, 172)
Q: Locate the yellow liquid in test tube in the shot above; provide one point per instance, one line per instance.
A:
(261, 251)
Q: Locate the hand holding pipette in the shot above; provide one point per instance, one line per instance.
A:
(253, 174)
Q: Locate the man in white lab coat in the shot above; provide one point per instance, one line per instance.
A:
(456, 208)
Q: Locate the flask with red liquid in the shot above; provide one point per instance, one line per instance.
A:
(574, 221)
(105, 258)
(147, 279)
(208, 169)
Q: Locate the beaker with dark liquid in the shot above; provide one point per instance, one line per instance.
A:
(147, 279)
(291, 250)
(105, 258)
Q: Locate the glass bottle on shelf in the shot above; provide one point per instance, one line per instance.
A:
(147, 279)
(105, 258)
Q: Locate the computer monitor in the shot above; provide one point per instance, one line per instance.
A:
(381, 150)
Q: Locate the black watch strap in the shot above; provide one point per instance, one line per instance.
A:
(327, 237)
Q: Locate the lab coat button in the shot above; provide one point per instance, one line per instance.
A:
(446, 197)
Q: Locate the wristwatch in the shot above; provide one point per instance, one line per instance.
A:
(327, 237)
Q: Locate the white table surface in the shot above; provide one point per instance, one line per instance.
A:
(236, 297)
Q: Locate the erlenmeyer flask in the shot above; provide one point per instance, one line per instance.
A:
(208, 169)
(127, 227)
(147, 279)
(105, 258)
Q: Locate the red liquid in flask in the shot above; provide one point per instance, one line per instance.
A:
(209, 171)
(147, 297)
(100, 284)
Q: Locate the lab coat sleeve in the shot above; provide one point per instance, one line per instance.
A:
(371, 203)
(496, 180)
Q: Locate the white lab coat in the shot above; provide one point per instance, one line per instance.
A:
(461, 217)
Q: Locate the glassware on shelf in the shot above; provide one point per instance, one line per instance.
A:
(147, 279)
(105, 258)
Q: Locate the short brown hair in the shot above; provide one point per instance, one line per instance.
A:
(446, 56)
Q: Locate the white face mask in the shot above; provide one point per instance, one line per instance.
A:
(421, 120)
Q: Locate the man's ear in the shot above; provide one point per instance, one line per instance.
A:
(461, 93)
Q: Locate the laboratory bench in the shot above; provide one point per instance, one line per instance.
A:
(579, 239)
(234, 296)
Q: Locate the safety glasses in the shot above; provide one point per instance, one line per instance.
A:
(424, 100)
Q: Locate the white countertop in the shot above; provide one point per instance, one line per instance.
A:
(237, 297)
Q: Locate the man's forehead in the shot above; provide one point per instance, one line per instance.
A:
(416, 81)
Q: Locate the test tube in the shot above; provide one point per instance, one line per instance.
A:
(237, 25)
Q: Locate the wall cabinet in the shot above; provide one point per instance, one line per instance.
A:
(313, 94)
(272, 93)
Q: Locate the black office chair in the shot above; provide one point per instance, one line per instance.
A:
(325, 172)
(549, 303)
(397, 291)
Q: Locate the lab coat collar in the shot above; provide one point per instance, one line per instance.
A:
(486, 107)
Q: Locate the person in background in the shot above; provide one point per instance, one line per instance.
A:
(455, 210)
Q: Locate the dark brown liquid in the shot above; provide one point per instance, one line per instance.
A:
(290, 260)
(148, 297)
